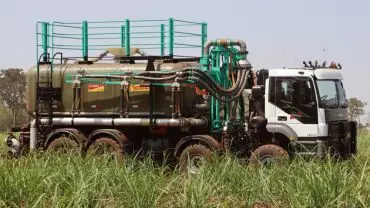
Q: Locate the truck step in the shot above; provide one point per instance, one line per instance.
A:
(307, 142)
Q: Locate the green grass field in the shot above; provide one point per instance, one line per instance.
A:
(60, 181)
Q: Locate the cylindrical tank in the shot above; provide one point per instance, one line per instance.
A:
(102, 97)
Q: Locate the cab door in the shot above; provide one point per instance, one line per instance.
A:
(295, 104)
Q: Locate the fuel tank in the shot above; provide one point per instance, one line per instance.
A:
(101, 96)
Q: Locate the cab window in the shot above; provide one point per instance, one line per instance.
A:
(295, 96)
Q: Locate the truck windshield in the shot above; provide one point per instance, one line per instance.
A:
(331, 94)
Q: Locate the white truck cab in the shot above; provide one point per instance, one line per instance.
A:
(309, 107)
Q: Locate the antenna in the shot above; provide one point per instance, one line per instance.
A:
(310, 63)
(305, 64)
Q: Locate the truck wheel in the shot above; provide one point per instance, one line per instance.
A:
(63, 145)
(106, 145)
(268, 154)
(193, 157)
(348, 147)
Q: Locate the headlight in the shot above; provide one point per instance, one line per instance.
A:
(9, 140)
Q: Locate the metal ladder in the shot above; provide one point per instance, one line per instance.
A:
(45, 94)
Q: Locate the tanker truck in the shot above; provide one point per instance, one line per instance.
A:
(127, 95)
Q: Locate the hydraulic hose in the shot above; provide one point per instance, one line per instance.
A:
(201, 75)
(194, 71)
(155, 78)
(234, 88)
(156, 73)
(134, 77)
(213, 92)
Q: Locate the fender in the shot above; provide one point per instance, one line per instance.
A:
(113, 133)
(203, 139)
(76, 135)
(282, 129)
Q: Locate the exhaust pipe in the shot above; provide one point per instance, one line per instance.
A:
(224, 42)
(244, 63)
(33, 134)
(160, 122)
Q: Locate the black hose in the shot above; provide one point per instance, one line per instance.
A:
(156, 73)
(208, 83)
(211, 84)
(202, 75)
(218, 88)
(210, 80)
(155, 78)
(213, 92)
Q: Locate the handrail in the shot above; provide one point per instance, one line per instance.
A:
(162, 36)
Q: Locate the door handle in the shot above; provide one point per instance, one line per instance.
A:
(282, 118)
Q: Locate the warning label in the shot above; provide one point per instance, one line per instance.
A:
(139, 88)
(95, 88)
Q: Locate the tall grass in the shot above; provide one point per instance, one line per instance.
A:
(43, 180)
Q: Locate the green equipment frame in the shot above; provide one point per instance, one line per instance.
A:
(81, 39)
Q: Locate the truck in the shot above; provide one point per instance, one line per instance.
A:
(133, 88)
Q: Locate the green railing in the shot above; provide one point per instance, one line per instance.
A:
(85, 39)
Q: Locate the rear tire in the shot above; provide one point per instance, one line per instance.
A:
(193, 158)
(269, 154)
(106, 145)
(64, 145)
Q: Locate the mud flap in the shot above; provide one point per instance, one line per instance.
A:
(353, 137)
(350, 141)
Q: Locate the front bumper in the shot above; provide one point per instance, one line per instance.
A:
(340, 142)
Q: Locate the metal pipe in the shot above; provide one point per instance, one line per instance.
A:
(127, 36)
(33, 133)
(85, 41)
(204, 35)
(122, 94)
(74, 96)
(155, 78)
(173, 89)
(162, 39)
(224, 42)
(123, 77)
(127, 103)
(179, 122)
(171, 35)
(123, 31)
(178, 101)
(78, 95)
(45, 36)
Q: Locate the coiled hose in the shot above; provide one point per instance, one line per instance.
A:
(192, 74)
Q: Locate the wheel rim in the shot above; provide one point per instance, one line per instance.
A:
(196, 163)
(268, 160)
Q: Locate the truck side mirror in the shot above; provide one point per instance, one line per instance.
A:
(258, 91)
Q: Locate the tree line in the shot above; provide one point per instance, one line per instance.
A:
(12, 95)
(13, 109)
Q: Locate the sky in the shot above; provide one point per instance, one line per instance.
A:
(279, 33)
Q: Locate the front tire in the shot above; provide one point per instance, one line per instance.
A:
(268, 154)
(194, 157)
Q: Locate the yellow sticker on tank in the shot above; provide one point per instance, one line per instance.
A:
(95, 88)
(139, 88)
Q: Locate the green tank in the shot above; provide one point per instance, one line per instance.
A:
(100, 96)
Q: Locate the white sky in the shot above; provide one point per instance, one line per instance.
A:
(278, 33)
